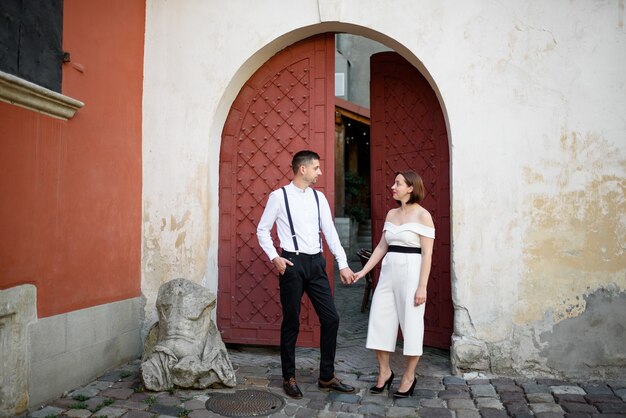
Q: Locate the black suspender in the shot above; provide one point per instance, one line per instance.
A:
(319, 218)
(293, 231)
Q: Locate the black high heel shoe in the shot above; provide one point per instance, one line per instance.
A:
(376, 389)
(408, 393)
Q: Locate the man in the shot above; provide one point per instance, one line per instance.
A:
(300, 212)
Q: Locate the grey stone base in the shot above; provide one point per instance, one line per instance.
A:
(18, 309)
(69, 350)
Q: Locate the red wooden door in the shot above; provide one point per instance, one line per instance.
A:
(286, 106)
(408, 132)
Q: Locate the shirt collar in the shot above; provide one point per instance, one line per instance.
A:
(297, 189)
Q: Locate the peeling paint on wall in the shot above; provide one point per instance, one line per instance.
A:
(569, 310)
(575, 240)
(175, 244)
(591, 344)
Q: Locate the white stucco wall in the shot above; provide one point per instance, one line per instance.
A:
(534, 95)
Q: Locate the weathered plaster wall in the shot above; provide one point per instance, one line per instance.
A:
(602, 326)
(534, 97)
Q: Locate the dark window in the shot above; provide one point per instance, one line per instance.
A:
(31, 40)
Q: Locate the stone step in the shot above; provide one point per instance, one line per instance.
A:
(364, 244)
(365, 229)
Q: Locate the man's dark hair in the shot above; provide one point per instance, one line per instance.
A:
(304, 157)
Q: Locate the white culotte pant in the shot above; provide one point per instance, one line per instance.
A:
(393, 305)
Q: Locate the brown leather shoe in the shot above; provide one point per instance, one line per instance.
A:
(291, 388)
(334, 384)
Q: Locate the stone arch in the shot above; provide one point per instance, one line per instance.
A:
(255, 61)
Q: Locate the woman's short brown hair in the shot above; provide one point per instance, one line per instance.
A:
(411, 178)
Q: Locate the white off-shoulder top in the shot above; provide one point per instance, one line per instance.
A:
(406, 234)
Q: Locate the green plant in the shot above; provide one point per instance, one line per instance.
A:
(80, 398)
(125, 374)
(183, 414)
(139, 388)
(354, 190)
(101, 405)
(357, 212)
(78, 405)
(150, 400)
(353, 184)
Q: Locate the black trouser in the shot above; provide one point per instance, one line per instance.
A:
(307, 275)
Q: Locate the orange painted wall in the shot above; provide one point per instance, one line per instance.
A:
(70, 208)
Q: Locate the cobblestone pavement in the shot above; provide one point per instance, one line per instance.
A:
(438, 394)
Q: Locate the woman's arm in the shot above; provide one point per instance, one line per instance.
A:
(377, 255)
(427, 258)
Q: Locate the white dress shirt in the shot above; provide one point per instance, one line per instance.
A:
(303, 209)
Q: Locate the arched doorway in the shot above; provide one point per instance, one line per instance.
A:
(260, 134)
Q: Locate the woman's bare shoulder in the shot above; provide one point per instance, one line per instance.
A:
(425, 218)
(391, 215)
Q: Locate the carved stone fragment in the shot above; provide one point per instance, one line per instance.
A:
(184, 349)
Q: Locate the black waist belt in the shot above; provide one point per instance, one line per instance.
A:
(401, 249)
(290, 254)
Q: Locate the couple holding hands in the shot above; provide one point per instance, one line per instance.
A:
(301, 215)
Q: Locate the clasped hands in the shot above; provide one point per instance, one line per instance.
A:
(349, 277)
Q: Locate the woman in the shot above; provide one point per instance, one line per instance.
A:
(400, 296)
